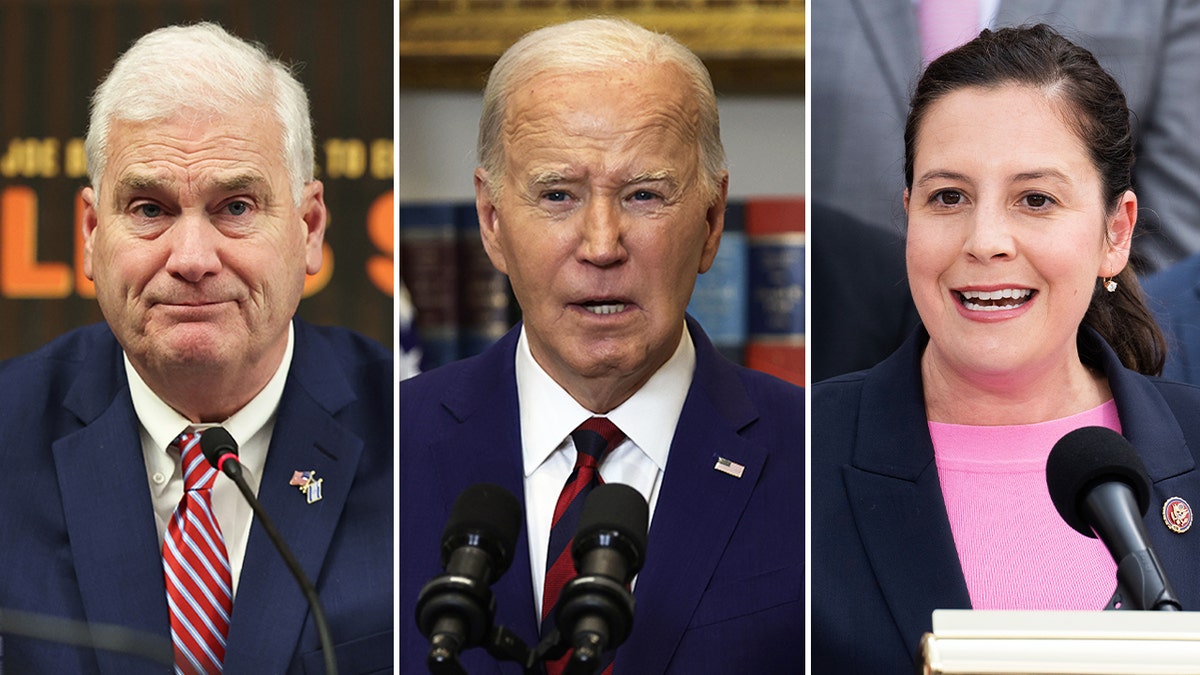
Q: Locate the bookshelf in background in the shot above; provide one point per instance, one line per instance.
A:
(751, 302)
(462, 303)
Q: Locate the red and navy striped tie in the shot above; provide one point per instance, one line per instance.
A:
(594, 439)
(196, 569)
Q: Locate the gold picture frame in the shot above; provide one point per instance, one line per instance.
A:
(749, 46)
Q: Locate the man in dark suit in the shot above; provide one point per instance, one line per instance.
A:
(601, 195)
(199, 225)
(1174, 297)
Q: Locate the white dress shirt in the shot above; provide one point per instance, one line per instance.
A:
(251, 427)
(549, 415)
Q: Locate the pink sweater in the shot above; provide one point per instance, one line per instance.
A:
(1015, 550)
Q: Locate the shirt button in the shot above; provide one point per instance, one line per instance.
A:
(159, 478)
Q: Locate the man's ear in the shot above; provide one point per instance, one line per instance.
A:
(489, 221)
(715, 218)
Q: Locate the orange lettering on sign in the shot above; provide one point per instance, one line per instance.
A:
(21, 275)
(381, 229)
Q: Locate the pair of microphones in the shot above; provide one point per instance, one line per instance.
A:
(594, 614)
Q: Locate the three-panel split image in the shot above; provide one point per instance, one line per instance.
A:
(646, 337)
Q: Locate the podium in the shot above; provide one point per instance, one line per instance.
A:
(1061, 642)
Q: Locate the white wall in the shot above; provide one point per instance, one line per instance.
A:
(763, 136)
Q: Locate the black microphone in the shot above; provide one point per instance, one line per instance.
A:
(221, 450)
(1100, 488)
(455, 609)
(595, 611)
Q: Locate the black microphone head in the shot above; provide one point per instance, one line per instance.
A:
(216, 442)
(487, 516)
(1085, 458)
(619, 515)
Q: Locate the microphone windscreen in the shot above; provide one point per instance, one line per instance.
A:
(216, 442)
(615, 507)
(488, 513)
(1085, 458)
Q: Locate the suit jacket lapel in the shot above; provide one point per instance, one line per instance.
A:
(106, 504)
(269, 611)
(697, 509)
(484, 446)
(897, 500)
(891, 29)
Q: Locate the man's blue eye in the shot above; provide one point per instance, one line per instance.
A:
(238, 208)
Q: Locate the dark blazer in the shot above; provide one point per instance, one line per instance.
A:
(77, 524)
(883, 554)
(722, 588)
(866, 60)
(1174, 297)
(862, 309)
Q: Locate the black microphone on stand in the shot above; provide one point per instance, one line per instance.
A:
(455, 609)
(1100, 488)
(595, 610)
(220, 450)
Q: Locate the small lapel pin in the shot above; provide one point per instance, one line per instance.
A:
(1177, 514)
(308, 483)
(730, 467)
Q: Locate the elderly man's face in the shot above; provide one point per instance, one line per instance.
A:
(604, 219)
(196, 245)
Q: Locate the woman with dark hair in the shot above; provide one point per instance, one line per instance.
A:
(928, 470)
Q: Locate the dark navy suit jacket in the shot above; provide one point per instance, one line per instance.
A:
(883, 556)
(722, 587)
(77, 532)
(1175, 300)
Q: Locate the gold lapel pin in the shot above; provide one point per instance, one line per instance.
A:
(1177, 514)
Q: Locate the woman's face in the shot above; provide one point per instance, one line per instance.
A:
(1007, 232)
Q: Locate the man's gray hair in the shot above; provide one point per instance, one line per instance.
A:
(202, 70)
(591, 45)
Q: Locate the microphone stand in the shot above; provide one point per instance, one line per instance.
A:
(234, 471)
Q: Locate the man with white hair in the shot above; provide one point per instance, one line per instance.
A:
(601, 194)
(200, 222)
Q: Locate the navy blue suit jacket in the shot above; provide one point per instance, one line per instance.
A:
(883, 556)
(77, 523)
(1174, 297)
(722, 587)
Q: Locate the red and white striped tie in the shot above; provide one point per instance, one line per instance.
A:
(196, 569)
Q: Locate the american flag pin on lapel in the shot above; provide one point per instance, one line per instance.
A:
(308, 483)
(730, 467)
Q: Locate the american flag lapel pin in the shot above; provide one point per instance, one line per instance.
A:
(730, 467)
(308, 483)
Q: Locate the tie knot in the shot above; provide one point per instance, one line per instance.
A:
(198, 474)
(594, 439)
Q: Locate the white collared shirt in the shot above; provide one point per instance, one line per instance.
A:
(251, 427)
(549, 415)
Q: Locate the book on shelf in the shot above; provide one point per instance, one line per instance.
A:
(775, 239)
(719, 298)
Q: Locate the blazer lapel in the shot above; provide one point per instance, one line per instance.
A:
(697, 509)
(269, 611)
(107, 508)
(483, 445)
(891, 30)
(897, 499)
